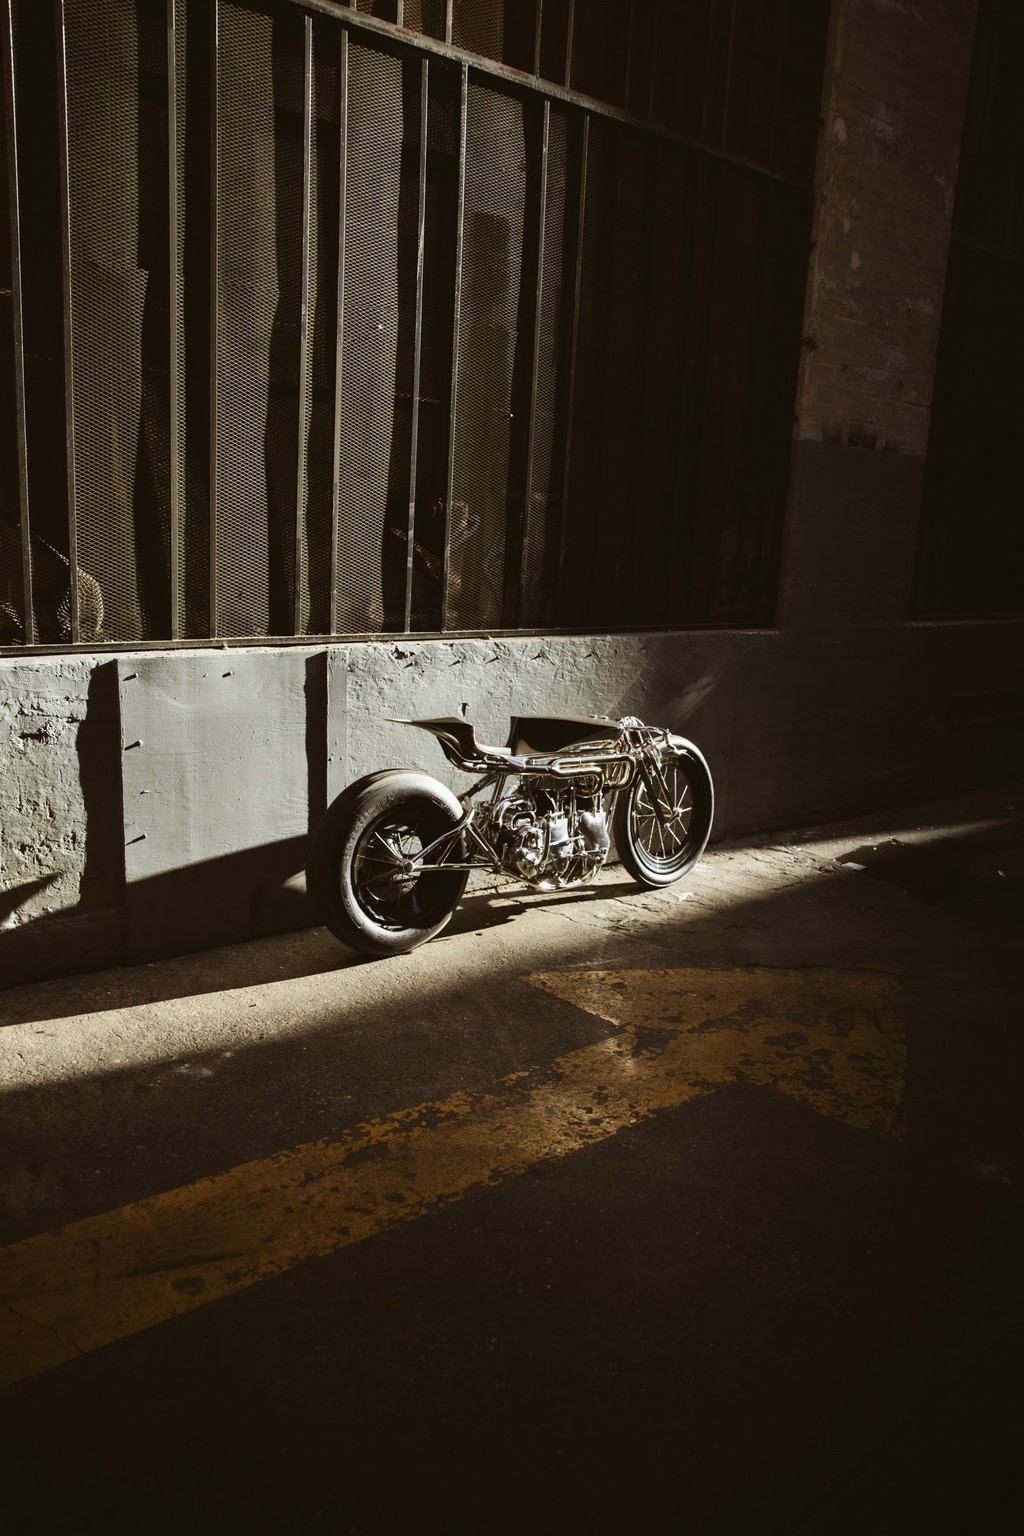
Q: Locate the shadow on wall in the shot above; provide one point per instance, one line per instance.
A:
(245, 895)
(14, 898)
(249, 894)
(199, 839)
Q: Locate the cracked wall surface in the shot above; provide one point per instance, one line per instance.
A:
(41, 852)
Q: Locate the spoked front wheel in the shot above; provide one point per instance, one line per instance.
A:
(362, 866)
(663, 821)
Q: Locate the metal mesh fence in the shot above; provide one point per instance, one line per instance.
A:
(118, 345)
(543, 506)
(317, 427)
(492, 271)
(440, 218)
(13, 593)
(258, 209)
(349, 331)
(37, 608)
(373, 297)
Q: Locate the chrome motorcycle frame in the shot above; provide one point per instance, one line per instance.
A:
(598, 772)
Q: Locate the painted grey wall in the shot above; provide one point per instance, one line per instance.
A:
(221, 764)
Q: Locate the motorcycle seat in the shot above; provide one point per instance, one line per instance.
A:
(548, 735)
(457, 738)
(530, 737)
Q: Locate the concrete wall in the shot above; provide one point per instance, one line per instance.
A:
(157, 802)
(161, 802)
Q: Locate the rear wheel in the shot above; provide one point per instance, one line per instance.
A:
(360, 872)
(662, 826)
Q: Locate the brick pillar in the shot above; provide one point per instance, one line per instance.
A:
(844, 710)
(893, 118)
(896, 86)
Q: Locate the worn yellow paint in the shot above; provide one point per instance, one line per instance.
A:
(830, 1037)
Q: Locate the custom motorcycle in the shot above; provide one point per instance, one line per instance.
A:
(390, 860)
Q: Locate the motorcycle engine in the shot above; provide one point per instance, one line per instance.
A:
(546, 839)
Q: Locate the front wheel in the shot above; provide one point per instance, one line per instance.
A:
(663, 820)
(359, 871)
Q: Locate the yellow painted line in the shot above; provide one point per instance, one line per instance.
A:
(830, 1037)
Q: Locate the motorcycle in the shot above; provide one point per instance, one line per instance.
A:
(390, 860)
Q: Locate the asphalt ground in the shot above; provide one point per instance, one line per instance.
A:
(689, 1211)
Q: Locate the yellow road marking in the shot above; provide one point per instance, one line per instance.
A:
(830, 1037)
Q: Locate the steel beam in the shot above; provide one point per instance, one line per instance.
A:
(460, 220)
(421, 225)
(18, 324)
(69, 384)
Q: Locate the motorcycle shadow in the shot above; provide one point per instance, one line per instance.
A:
(502, 904)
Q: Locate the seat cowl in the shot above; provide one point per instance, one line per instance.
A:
(547, 735)
(457, 737)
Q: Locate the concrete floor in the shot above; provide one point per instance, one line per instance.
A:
(694, 1211)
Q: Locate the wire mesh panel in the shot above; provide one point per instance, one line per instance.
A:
(318, 424)
(553, 43)
(433, 405)
(38, 114)
(621, 516)
(258, 254)
(492, 274)
(177, 128)
(543, 508)
(348, 333)
(377, 296)
(581, 559)
(427, 16)
(118, 309)
(649, 262)
(383, 10)
(15, 562)
(599, 49)
(495, 29)
(193, 215)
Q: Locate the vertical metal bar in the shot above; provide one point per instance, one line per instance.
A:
(708, 57)
(655, 30)
(531, 435)
(400, 13)
(301, 478)
(69, 390)
(339, 343)
(448, 21)
(421, 227)
(568, 43)
(174, 300)
(536, 38)
(728, 74)
(460, 218)
(214, 307)
(631, 27)
(18, 325)
(581, 219)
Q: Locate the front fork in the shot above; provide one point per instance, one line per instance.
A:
(649, 768)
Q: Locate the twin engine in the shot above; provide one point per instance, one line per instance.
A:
(547, 835)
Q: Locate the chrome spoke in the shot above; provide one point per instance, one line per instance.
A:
(663, 814)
